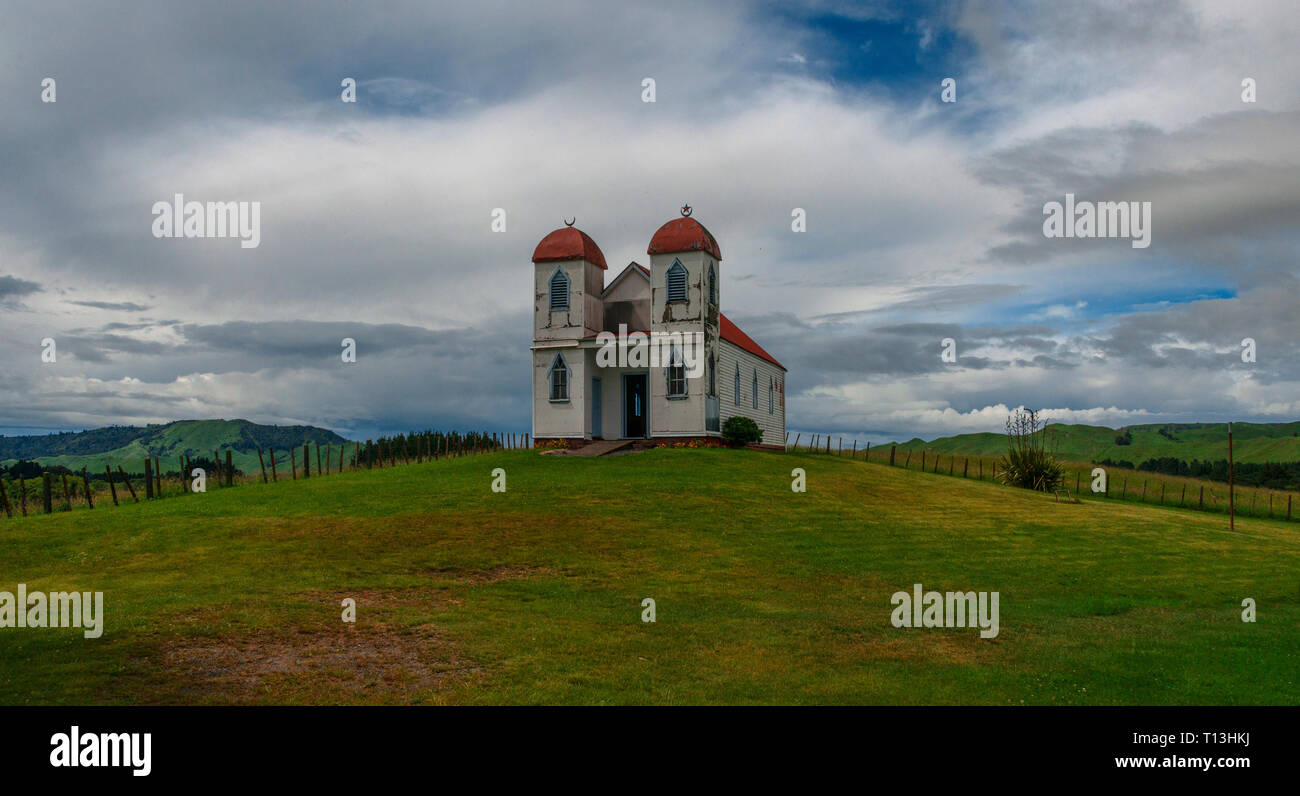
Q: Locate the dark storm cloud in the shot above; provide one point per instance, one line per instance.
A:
(11, 286)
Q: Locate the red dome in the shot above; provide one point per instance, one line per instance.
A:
(568, 243)
(683, 235)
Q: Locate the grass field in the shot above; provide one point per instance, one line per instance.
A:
(762, 595)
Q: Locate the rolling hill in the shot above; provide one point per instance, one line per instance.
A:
(128, 446)
(1251, 442)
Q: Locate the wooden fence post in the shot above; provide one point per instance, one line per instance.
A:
(67, 495)
(981, 468)
(908, 461)
(867, 456)
(306, 461)
(90, 497)
(1201, 507)
(261, 461)
(157, 474)
(329, 449)
(965, 467)
(892, 450)
(318, 470)
(148, 480)
(112, 489)
(1162, 493)
(293, 462)
(4, 498)
(216, 462)
(922, 461)
(854, 453)
(47, 497)
(1183, 495)
(127, 481)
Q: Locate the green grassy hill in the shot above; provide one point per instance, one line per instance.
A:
(1251, 442)
(128, 446)
(763, 595)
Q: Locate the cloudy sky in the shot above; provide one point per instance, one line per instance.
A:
(924, 218)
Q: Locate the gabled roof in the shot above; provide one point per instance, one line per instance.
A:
(732, 334)
(726, 329)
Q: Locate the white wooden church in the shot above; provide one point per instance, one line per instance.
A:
(578, 396)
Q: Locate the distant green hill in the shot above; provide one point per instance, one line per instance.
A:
(1251, 442)
(128, 446)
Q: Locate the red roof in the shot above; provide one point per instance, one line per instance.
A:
(732, 334)
(568, 243)
(683, 235)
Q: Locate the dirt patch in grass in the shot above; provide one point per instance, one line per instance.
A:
(391, 655)
(351, 664)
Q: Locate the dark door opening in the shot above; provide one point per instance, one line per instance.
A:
(634, 405)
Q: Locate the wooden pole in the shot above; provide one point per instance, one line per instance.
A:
(892, 450)
(157, 474)
(1183, 495)
(274, 477)
(318, 471)
(127, 481)
(854, 453)
(293, 462)
(1162, 493)
(867, 456)
(922, 461)
(4, 498)
(90, 497)
(908, 461)
(796, 441)
(306, 461)
(261, 461)
(341, 447)
(47, 496)
(216, 462)
(230, 469)
(965, 468)
(1232, 519)
(1201, 505)
(148, 479)
(112, 489)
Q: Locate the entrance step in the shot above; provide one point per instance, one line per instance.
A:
(602, 447)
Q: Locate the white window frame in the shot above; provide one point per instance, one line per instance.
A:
(675, 373)
(559, 365)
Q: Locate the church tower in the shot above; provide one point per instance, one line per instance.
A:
(685, 284)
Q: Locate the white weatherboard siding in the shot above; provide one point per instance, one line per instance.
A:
(772, 425)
